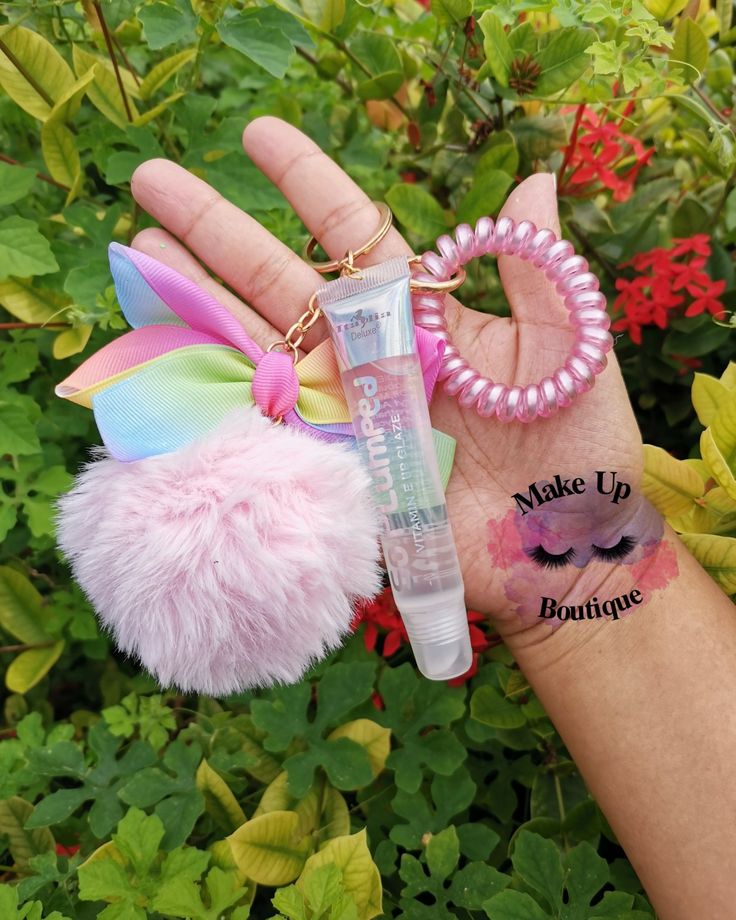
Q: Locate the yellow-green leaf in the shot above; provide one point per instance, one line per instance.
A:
(326, 14)
(60, 152)
(23, 844)
(271, 849)
(728, 377)
(669, 484)
(68, 103)
(717, 555)
(322, 809)
(156, 110)
(717, 463)
(28, 668)
(707, 395)
(104, 92)
(50, 75)
(689, 53)
(164, 71)
(496, 46)
(218, 798)
(29, 304)
(360, 874)
(108, 850)
(665, 9)
(71, 342)
(20, 607)
(375, 739)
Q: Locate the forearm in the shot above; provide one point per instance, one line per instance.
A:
(645, 706)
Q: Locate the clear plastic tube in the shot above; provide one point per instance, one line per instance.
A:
(372, 328)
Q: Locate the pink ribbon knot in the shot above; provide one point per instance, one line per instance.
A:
(275, 385)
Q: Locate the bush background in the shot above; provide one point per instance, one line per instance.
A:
(371, 788)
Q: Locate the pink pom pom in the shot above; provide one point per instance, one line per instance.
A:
(232, 563)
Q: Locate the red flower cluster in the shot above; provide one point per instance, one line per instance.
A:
(601, 155)
(667, 279)
(383, 615)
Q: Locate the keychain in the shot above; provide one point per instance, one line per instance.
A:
(226, 530)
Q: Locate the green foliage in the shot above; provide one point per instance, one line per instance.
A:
(364, 789)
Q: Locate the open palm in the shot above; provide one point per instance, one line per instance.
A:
(273, 285)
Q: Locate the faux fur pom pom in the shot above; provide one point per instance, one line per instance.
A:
(234, 562)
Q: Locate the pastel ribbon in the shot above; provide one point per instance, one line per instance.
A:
(188, 363)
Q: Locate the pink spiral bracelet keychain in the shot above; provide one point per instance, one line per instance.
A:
(582, 297)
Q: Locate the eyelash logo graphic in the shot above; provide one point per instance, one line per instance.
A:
(562, 538)
(615, 553)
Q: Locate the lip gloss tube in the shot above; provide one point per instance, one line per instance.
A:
(372, 329)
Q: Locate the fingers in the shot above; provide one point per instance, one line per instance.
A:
(333, 208)
(165, 248)
(533, 299)
(261, 269)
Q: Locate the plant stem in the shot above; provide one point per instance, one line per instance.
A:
(25, 647)
(113, 60)
(341, 81)
(26, 75)
(127, 63)
(35, 325)
(41, 176)
(570, 148)
(708, 102)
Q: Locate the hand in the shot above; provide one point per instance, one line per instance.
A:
(493, 460)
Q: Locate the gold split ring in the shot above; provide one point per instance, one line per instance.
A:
(346, 263)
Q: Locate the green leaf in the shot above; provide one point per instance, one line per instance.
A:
(24, 250)
(15, 183)
(665, 10)
(163, 25)
(586, 874)
(443, 853)
(671, 485)
(17, 432)
(537, 860)
(104, 92)
(476, 883)
(717, 555)
(496, 47)
(452, 11)
(266, 36)
(138, 838)
(219, 800)
(689, 53)
(31, 666)
(159, 75)
(360, 875)
(563, 60)
(707, 394)
(270, 849)
(27, 303)
(501, 156)
(489, 707)
(486, 195)
(20, 603)
(724, 11)
(50, 75)
(60, 153)
(417, 210)
(514, 905)
(23, 844)
(326, 14)
(57, 807)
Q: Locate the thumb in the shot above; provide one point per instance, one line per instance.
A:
(533, 299)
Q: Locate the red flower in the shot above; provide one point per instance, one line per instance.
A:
(381, 616)
(600, 156)
(667, 279)
(61, 850)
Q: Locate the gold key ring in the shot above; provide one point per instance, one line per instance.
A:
(346, 263)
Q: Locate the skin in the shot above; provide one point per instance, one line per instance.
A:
(644, 704)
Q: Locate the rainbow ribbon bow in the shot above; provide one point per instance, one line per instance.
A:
(188, 363)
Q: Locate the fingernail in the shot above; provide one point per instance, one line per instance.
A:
(554, 181)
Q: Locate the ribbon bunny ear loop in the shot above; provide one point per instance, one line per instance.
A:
(221, 550)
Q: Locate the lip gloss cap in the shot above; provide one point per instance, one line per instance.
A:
(448, 653)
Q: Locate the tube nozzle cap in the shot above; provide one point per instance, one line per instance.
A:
(441, 644)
